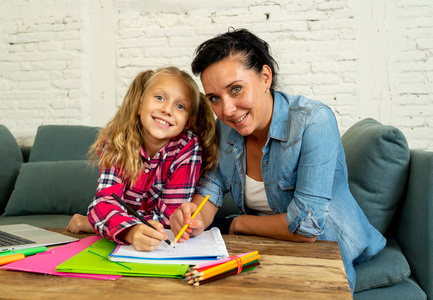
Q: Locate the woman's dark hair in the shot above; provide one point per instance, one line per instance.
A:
(254, 50)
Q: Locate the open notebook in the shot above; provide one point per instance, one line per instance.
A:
(208, 246)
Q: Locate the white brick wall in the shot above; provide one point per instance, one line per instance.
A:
(70, 62)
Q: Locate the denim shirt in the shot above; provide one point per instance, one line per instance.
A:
(305, 176)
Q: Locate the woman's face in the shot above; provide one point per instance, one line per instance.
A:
(238, 95)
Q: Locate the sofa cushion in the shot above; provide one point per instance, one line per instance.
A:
(407, 289)
(377, 159)
(386, 268)
(10, 163)
(63, 187)
(62, 142)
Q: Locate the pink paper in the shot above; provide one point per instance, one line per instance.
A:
(46, 262)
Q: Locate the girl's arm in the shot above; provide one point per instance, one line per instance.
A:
(104, 213)
(112, 222)
(180, 187)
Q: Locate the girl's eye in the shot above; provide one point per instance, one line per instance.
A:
(159, 98)
(181, 106)
(236, 89)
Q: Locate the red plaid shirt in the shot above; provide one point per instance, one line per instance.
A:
(168, 180)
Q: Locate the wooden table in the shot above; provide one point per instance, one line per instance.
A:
(288, 271)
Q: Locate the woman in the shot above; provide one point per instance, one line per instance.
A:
(281, 157)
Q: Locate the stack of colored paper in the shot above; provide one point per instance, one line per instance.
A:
(233, 265)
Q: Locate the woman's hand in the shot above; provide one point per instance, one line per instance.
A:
(182, 216)
(80, 223)
(144, 238)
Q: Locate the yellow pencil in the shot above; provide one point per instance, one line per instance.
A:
(192, 218)
(227, 266)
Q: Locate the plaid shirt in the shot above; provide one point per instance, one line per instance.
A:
(168, 180)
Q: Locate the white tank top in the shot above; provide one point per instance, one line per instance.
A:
(255, 197)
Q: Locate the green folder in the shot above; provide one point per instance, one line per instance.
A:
(94, 260)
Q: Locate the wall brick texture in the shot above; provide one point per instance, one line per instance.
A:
(70, 62)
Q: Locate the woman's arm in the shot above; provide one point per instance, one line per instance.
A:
(307, 212)
(273, 226)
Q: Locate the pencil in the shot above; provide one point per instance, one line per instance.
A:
(235, 268)
(231, 272)
(214, 263)
(226, 274)
(224, 268)
(192, 218)
(133, 212)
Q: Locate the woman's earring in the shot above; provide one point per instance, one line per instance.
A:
(267, 91)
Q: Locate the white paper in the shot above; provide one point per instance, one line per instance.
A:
(207, 246)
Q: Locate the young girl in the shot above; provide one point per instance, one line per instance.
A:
(151, 155)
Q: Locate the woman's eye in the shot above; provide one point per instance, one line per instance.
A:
(236, 89)
(213, 99)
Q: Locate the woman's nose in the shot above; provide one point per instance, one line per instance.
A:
(229, 107)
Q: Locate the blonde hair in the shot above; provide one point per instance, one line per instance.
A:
(119, 143)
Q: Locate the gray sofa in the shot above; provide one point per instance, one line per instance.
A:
(392, 184)
(46, 184)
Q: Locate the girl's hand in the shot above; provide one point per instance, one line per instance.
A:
(144, 238)
(182, 216)
(79, 223)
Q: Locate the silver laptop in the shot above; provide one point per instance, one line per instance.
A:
(21, 236)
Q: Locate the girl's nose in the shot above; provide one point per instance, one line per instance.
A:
(166, 108)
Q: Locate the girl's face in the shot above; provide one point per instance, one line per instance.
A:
(238, 95)
(164, 111)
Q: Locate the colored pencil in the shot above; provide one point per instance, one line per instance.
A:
(213, 263)
(192, 218)
(226, 274)
(228, 262)
(224, 267)
(244, 267)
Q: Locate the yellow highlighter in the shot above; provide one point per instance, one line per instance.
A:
(11, 258)
(192, 218)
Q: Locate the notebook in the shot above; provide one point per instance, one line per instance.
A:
(21, 236)
(208, 246)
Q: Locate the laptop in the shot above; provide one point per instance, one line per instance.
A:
(22, 236)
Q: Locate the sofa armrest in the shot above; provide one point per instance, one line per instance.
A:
(415, 228)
